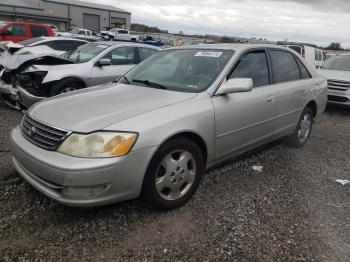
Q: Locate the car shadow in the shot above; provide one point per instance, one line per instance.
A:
(338, 110)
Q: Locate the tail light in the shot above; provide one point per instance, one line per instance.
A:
(303, 52)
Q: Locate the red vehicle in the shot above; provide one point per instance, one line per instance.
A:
(19, 31)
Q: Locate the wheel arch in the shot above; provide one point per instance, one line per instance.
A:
(312, 104)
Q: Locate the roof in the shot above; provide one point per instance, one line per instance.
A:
(89, 4)
(121, 43)
(54, 38)
(233, 47)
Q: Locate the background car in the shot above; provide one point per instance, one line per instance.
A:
(19, 31)
(337, 70)
(89, 65)
(156, 131)
(314, 56)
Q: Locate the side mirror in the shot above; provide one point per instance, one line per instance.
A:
(104, 62)
(235, 85)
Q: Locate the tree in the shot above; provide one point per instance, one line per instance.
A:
(334, 46)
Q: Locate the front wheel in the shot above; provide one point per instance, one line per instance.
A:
(303, 130)
(173, 174)
(63, 87)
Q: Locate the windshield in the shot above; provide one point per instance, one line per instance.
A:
(31, 41)
(341, 62)
(180, 70)
(85, 52)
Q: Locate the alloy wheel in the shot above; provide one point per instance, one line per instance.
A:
(175, 174)
(304, 127)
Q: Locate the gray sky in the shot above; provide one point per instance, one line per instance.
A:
(315, 21)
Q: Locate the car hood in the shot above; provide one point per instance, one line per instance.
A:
(335, 74)
(12, 62)
(98, 107)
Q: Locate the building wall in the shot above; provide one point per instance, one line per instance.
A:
(57, 14)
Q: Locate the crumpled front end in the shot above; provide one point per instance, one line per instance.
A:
(22, 89)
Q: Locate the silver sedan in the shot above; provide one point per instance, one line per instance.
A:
(155, 132)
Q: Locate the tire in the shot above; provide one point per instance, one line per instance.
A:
(302, 133)
(178, 160)
(64, 86)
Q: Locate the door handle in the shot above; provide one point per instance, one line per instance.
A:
(270, 99)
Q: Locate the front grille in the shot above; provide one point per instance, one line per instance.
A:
(338, 85)
(42, 135)
(338, 99)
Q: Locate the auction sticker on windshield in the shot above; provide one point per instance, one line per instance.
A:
(209, 54)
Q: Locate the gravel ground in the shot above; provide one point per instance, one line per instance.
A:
(292, 211)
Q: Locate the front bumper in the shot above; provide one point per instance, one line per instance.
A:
(10, 95)
(339, 97)
(54, 174)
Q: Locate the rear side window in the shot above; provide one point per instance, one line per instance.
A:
(284, 67)
(146, 52)
(295, 48)
(304, 73)
(253, 65)
(64, 45)
(38, 31)
(16, 30)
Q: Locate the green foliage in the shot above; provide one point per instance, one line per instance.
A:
(334, 46)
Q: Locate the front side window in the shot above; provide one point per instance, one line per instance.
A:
(339, 62)
(253, 65)
(123, 32)
(121, 56)
(144, 52)
(16, 30)
(38, 31)
(181, 70)
(284, 67)
(85, 52)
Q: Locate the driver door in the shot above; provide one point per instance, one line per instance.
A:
(244, 120)
(122, 60)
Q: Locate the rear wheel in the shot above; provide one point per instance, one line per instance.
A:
(303, 130)
(173, 174)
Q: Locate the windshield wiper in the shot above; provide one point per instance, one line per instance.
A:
(126, 80)
(150, 83)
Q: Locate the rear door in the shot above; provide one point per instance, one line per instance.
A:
(292, 83)
(244, 120)
(122, 60)
(38, 31)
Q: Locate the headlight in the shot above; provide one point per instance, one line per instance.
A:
(98, 144)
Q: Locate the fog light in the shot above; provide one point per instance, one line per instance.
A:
(84, 192)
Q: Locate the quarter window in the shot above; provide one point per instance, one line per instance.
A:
(122, 56)
(284, 67)
(38, 31)
(253, 65)
(304, 73)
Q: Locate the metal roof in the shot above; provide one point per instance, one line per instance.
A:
(230, 46)
(89, 5)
